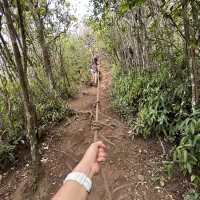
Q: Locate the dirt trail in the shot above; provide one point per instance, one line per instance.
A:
(133, 167)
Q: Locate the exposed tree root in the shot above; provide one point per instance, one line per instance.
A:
(107, 140)
(162, 145)
(109, 194)
(122, 187)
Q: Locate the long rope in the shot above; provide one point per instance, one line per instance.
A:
(96, 133)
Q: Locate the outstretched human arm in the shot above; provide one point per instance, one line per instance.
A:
(89, 165)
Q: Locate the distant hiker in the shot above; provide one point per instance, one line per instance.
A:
(94, 70)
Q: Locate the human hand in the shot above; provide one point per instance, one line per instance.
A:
(90, 163)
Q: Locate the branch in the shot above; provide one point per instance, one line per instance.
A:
(23, 34)
(6, 51)
(46, 9)
(174, 23)
(57, 36)
(167, 41)
(33, 46)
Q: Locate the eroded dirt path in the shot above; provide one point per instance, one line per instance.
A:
(132, 169)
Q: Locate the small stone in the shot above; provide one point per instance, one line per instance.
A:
(141, 178)
(158, 189)
(44, 160)
(111, 161)
(80, 130)
(107, 120)
(130, 132)
(45, 147)
(27, 165)
(140, 151)
(162, 182)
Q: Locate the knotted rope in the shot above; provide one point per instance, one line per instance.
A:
(96, 133)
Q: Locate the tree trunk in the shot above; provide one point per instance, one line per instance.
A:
(46, 55)
(28, 104)
(63, 71)
(44, 46)
(190, 53)
(194, 48)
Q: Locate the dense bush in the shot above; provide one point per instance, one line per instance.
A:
(52, 111)
(126, 93)
(160, 103)
(12, 131)
(188, 151)
(6, 154)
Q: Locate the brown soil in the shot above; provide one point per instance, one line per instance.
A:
(134, 168)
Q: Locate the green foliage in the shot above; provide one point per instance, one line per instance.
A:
(192, 195)
(125, 93)
(188, 151)
(52, 111)
(76, 60)
(11, 123)
(121, 7)
(6, 154)
(127, 5)
(169, 167)
(161, 104)
(69, 73)
(156, 98)
(152, 87)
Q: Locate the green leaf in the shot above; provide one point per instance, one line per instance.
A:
(196, 139)
(185, 156)
(193, 177)
(189, 168)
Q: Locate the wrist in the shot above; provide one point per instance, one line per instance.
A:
(85, 168)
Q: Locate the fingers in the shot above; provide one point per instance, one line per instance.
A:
(101, 154)
(101, 157)
(100, 144)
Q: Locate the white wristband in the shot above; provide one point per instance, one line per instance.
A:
(80, 178)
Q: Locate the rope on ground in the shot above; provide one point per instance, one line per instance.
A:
(96, 136)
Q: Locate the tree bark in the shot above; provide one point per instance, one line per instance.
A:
(28, 104)
(46, 55)
(63, 71)
(190, 53)
(44, 46)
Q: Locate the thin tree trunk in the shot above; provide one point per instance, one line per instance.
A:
(63, 71)
(44, 46)
(190, 55)
(46, 55)
(28, 104)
